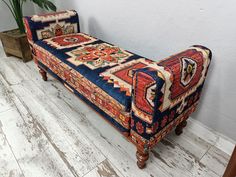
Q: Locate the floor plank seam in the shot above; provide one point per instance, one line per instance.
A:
(10, 84)
(22, 173)
(206, 152)
(93, 168)
(116, 168)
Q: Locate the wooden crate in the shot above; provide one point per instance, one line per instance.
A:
(16, 44)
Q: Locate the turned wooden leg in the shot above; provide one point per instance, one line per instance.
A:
(179, 128)
(142, 157)
(44, 74)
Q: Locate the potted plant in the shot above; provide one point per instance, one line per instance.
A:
(15, 41)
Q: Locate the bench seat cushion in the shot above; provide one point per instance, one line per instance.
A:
(98, 70)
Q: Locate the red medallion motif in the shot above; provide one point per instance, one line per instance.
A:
(70, 40)
(98, 55)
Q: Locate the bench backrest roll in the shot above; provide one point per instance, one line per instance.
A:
(45, 26)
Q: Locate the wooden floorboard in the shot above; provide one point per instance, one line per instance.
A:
(8, 164)
(5, 103)
(104, 169)
(190, 142)
(216, 160)
(47, 116)
(32, 150)
(82, 154)
(179, 162)
(53, 133)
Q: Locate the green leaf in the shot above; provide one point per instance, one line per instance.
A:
(45, 4)
(52, 6)
(15, 7)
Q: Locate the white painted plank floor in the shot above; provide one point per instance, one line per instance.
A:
(46, 131)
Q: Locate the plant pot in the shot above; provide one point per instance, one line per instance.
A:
(16, 44)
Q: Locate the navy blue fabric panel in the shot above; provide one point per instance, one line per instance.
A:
(107, 117)
(92, 75)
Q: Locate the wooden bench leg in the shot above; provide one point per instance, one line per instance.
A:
(179, 128)
(43, 73)
(142, 157)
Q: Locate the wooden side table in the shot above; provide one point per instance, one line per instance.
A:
(231, 167)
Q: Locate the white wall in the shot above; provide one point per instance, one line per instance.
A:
(7, 21)
(158, 28)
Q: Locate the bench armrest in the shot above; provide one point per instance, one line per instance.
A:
(166, 92)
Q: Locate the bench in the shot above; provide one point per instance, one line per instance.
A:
(141, 98)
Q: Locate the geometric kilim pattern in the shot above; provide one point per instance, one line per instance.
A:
(183, 75)
(141, 142)
(98, 55)
(56, 29)
(122, 75)
(142, 106)
(186, 72)
(189, 69)
(46, 26)
(70, 40)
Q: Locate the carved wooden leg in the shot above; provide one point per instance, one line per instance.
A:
(179, 128)
(44, 74)
(142, 157)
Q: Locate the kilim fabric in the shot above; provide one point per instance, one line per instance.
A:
(50, 25)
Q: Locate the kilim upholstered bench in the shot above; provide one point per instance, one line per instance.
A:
(143, 99)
